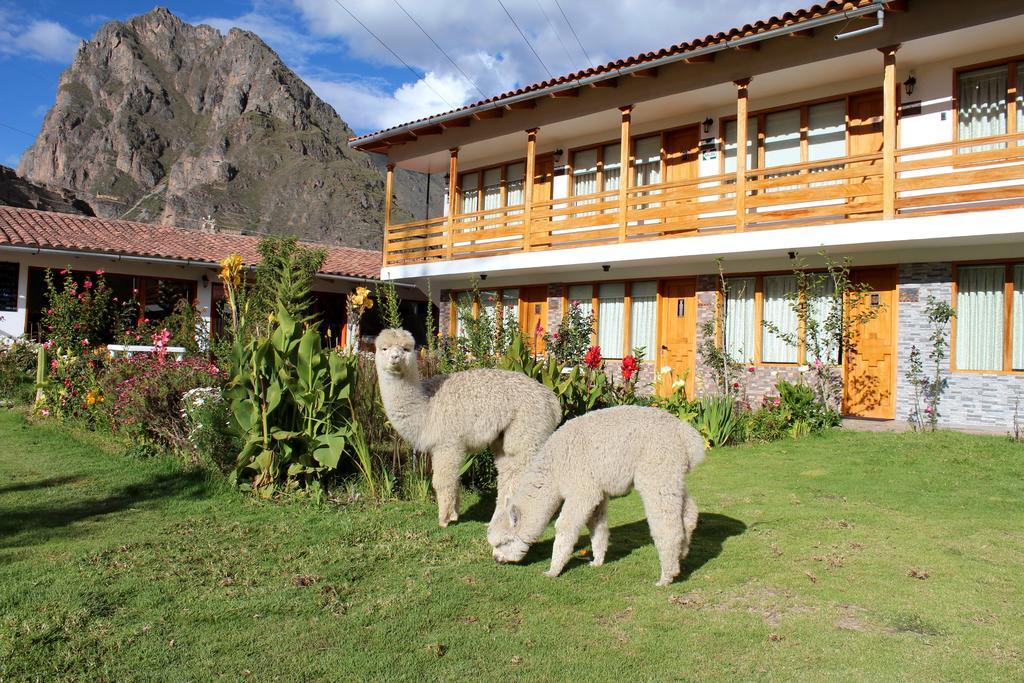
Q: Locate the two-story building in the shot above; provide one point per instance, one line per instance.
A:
(888, 132)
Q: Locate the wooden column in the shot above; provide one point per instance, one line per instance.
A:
(624, 170)
(741, 152)
(531, 171)
(890, 97)
(389, 184)
(453, 198)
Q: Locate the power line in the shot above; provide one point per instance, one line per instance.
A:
(557, 35)
(578, 42)
(395, 55)
(441, 49)
(17, 130)
(527, 41)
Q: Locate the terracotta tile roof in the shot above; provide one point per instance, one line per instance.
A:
(50, 230)
(787, 19)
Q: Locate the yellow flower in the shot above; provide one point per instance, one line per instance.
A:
(357, 300)
(369, 304)
(362, 291)
(231, 269)
(93, 397)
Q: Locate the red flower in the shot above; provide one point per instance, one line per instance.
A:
(629, 367)
(593, 358)
(735, 385)
(750, 369)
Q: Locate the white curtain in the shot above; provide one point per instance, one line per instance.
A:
(611, 324)
(468, 190)
(584, 295)
(826, 130)
(1018, 317)
(584, 172)
(730, 145)
(778, 290)
(510, 308)
(492, 188)
(739, 318)
(979, 319)
(643, 316)
(982, 102)
(1020, 99)
(489, 306)
(782, 138)
(647, 160)
(611, 165)
(463, 307)
(514, 174)
(820, 304)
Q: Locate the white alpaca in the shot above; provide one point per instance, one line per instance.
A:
(462, 413)
(601, 454)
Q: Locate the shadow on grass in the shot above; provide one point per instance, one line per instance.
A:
(40, 484)
(22, 525)
(713, 530)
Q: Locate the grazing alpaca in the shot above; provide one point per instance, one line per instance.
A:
(601, 454)
(463, 413)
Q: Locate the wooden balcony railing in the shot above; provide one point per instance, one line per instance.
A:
(931, 179)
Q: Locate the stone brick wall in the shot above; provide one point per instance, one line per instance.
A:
(971, 399)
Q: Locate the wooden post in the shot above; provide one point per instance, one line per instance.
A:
(453, 199)
(741, 152)
(389, 184)
(889, 96)
(531, 171)
(624, 174)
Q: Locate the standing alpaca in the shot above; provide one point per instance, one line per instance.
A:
(463, 413)
(601, 454)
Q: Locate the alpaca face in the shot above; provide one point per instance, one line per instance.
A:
(503, 537)
(396, 351)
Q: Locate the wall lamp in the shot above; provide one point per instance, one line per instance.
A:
(707, 123)
(606, 267)
(908, 85)
(483, 276)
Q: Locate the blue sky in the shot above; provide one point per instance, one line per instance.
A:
(348, 68)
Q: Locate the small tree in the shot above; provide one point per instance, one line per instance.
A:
(929, 390)
(829, 307)
(570, 342)
(713, 349)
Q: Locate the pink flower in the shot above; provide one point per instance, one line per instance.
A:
(53, 364)
(85, 342)
(555, 335)
(49, 311)
(539, 329)
(88, 284)
(135, 291)
(817, 364)
(99, 271)
(64, 271)
(928, 409)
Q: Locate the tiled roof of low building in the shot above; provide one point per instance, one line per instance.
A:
(50, 230)
(787, 19)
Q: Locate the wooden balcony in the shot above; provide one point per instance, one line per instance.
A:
(928, 180)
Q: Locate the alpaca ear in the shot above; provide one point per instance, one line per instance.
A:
(513, 516)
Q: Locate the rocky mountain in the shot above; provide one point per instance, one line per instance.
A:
(15, 191)
(159, 120)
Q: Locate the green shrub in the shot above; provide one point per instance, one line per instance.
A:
(208, 418)
(17, 371)
(716, 419)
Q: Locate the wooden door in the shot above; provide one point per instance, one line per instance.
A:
(682, 154)
(869, 383)
(677, 332)
(533, 313)
(865, 131)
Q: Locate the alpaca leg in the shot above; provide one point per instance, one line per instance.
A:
(689, 524)
(598, 526)
(664, 510)
(447, 463)
(504, 490)
(575, 512)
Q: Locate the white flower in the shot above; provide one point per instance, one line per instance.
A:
(803, 368)
(679, 383)
(665, 369)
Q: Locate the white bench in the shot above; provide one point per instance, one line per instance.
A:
(129, 350)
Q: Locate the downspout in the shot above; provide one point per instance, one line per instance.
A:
(867, 29)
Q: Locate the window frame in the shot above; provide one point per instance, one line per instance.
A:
(598, 147)
(1007, 362)
(759, 329)
(627, 313)
(804, 107)
(1013, 63)
(480, 171)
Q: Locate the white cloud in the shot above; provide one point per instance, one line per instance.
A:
(480, 38)
(40, 39)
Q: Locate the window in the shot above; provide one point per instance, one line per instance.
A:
(729, 157)
(501, 305)
(492, 188)
(647, 161)
(643, 317)
(809, 132)
(782, 138)
(584, 172)
(751, 302)
(9, 285)
(981, 103)
(739, 318)
(625, 315)
(596, 170)
(826, 130)
(778, 292)
(989, 323)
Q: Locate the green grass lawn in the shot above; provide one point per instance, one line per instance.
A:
(846, 556)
